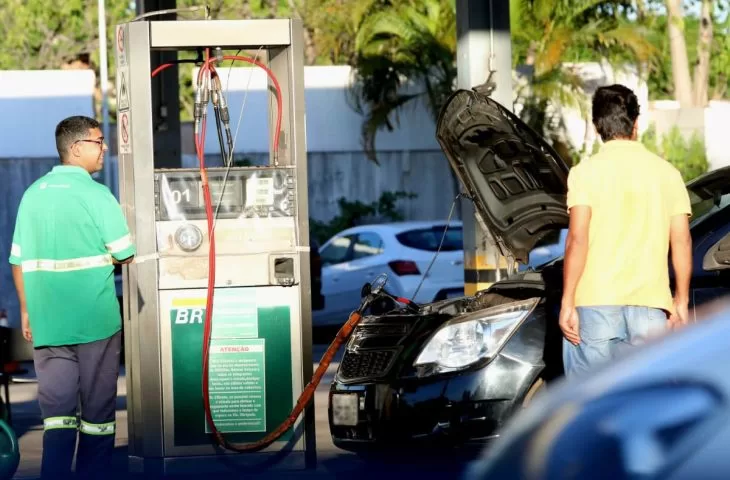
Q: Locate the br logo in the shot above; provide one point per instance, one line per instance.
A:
(189, 315)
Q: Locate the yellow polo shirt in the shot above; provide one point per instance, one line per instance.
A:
(632, 194)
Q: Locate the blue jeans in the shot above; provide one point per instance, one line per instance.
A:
(606, 331)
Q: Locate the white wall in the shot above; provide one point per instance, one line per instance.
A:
(716, 121)
(34, 101)
(331, 124)
(594, 75)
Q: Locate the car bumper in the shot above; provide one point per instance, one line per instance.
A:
(452, 410)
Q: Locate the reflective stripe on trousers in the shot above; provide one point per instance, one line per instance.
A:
(98, 428)
(52, 423)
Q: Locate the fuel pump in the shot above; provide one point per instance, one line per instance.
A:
(217, 315)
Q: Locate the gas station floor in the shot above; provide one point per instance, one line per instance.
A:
(331, 461)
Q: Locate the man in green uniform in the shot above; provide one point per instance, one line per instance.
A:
(69, 233)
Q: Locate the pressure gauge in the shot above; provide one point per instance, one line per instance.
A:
(189, 237)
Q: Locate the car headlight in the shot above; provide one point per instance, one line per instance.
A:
(468, 339)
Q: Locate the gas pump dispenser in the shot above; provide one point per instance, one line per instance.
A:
(217, 315)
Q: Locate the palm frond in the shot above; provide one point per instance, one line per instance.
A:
(378, 118)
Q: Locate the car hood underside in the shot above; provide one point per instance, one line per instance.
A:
(517, 181)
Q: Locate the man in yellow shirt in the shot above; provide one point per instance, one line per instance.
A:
(627, 208)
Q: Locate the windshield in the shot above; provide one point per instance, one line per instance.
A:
(707, 201)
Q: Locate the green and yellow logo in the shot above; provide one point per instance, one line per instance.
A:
(187, 311)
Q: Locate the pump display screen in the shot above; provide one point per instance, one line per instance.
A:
(243, 192)
(189, 195)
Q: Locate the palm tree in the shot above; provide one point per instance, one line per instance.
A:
(403, 52)
(407, 50)
(549, 33)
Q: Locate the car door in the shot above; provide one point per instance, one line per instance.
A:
(366, 263)
(711, 280)
(348, 262)
(335, 256)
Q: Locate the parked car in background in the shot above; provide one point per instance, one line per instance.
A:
(453, 372)
(548, 248)
(402, 249)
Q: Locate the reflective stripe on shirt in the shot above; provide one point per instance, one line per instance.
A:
(70, 265)
(119, 245)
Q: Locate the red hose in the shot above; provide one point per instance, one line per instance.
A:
(342, 335)
(253, 61)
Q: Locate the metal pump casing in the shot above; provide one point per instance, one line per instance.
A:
(262, 310)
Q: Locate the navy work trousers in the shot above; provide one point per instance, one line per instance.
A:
(77, 390)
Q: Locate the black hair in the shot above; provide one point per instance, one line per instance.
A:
(70, 130)
(615, 110)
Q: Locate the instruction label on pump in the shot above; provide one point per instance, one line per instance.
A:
(237, 385)
(259, 191)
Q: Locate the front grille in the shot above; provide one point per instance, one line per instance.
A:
(365, 364)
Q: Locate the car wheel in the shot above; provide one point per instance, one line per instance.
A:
(537, 387)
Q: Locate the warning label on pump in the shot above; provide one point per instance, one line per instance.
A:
(237, 385)
(123, 128)
(121, 44)
(122, 92)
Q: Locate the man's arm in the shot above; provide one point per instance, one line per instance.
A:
(579, 203)
(20, 289)
(576, 252)
(19, 286)
(114, 231)
(680, 243)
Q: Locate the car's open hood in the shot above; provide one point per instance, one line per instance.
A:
(517, 181)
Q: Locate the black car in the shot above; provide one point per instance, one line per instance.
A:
(454, 372)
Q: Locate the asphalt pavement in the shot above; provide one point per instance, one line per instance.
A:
(331, 461)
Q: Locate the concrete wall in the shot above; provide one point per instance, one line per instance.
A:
(713, 119)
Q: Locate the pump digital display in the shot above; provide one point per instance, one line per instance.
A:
(186, 195)
(248, 193)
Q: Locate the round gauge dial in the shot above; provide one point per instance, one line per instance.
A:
(189, 237)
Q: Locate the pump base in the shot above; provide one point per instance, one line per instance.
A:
(259, 462)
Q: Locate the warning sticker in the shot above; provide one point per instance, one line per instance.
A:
(121, 45)
(124, 133)
(122, 92)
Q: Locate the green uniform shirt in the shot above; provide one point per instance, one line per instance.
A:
(67, 230)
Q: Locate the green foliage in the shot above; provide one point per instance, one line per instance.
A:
(659, 78)
(404, 50)
(689, 156)
(356, 213)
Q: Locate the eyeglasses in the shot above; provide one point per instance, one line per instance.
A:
(98, 142)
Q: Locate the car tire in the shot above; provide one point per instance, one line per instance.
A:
(536, 388)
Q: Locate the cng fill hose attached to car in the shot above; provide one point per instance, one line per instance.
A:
(206, 78)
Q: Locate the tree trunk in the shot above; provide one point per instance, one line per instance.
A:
(310, 50)
(678, 50)
(273, 8)
(641, 10)
(704, 46)
(246, 12)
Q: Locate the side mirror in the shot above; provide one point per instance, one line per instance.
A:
(718, 257)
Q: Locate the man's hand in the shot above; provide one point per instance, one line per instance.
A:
(25, 323)
(569, 324)
(680, 317)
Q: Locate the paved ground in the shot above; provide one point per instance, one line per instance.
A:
(332, 462)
